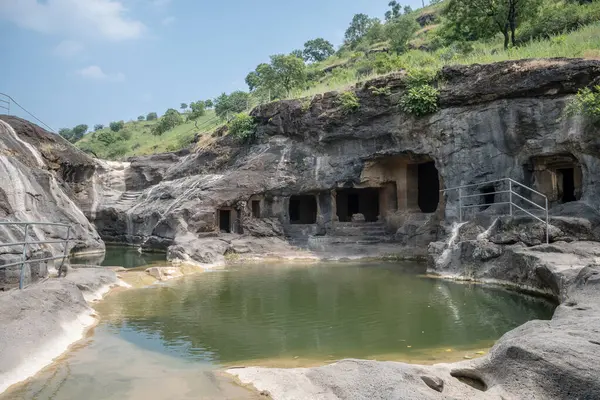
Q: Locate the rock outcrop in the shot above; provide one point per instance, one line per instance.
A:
(41, 175)
(310, 162)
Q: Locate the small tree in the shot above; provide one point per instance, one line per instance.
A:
(183, 107)
(78, 132)
(400, 30)
(485, 18)
(170, 120)
(360, 25)
(208, 103)
(394, 11)
(66, 133)
(97, 127)
(197, 110)
(106, 137)
(116, 126)
(151, 116)
(317, 50)
(231, 104)
(141, 118)
(297, 53)
(242, 126)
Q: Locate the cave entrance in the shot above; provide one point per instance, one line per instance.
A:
(488, 196)
(255, 208)
(567, 176)
(357, 201)
(558, 176)
(303, 209)
(428, 183)
(225, 221)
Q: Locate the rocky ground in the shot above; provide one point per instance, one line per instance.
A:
(39, 323)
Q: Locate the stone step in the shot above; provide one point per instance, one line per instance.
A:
(356, 231)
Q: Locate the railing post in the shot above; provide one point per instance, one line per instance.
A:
(23, 257)
(547, 224)
(65, 252)
(459, 205)
(510, 196)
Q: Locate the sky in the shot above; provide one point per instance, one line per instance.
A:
(95, 61)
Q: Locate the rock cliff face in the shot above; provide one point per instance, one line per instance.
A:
(311, 167)
(40, 174)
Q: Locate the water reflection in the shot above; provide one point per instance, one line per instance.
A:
(315, 312)
(120, 256)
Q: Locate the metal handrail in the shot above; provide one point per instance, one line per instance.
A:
(5, 103)
(510, 201)
(26, 242)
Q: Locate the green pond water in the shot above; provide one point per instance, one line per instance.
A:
(120, 256)
(166, 341)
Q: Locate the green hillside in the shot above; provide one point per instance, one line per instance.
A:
(418, 41)
(137, 138)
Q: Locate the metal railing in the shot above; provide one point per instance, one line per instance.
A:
(5, 103)
(511, 184)
(26, 243)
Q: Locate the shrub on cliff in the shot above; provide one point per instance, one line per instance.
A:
(348, 102)
(116, 126)
(586, 103)
(420, 100)
(242, 126)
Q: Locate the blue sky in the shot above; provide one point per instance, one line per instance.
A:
(94, 61)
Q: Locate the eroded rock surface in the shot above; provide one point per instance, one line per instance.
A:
(40, 174)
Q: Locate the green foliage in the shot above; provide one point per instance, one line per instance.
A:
(151, 116)
(317, 50)
(183, 106)
(586, 103)
(242, 126)
(478, 19)
(106, 137)
(198, 110)
(400, 30)
(559, 17)
(297, 53)
(394, 11)
(66, 133)
(118, 150)
(125, 135)
(382, 91)
(420, 100)
(116, 126)
(420, 76)
(348, 102)
(97, 127)
(170, 120)
(141, 118)
(208, 103)
(359, 27)
(233, 103)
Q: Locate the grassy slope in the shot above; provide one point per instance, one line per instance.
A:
(582, 43)
(142, 140)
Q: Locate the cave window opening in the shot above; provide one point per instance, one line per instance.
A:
(568, 184)
(429, 187)
(225, 221)
(303, 209)
(488, 197)
(357, 201)
(256, 208)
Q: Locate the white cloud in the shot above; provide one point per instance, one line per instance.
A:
(104, 19)
(94, 72)
(68, 48)
(168, 21)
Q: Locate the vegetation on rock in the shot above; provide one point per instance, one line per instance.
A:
(587, 103)
(242, 126)
(348, 102)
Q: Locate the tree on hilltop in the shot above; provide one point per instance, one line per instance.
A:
(317, 50)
